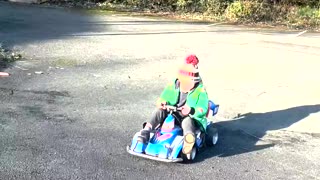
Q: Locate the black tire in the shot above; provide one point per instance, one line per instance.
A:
(211, 136)
(193, 155)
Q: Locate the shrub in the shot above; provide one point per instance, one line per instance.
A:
(189, 5)
(7, 56)
(240, 10)
(216, 7)
(311, 3)
(304, 16)
(309, 13)
(250, 11)
(168, 5)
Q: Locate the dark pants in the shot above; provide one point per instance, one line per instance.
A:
(187, 123)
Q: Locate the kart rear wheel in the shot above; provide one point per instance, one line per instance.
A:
(212, 136)
(190, 157)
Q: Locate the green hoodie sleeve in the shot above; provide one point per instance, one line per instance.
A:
(168, 94)
(201, 107)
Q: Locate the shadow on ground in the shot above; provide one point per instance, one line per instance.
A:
(233, 141)
(3, 65)
(23, 23)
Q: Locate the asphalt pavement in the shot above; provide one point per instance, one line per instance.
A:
(86, 84)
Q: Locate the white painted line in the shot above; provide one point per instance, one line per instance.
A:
(299, 34)
(20, 68)
(215, 24)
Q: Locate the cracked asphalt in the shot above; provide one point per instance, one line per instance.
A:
(101, 75)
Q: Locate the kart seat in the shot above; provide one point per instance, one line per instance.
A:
(212, 107)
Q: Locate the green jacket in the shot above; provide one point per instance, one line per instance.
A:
(196, 99)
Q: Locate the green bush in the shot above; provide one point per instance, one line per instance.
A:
(304, 16)
(8, 56)
(188, 5)
(168, 5)
(311, 3)
(250, 11)
(309, 13)
(240, 10)
(135, 3)
(216, 7)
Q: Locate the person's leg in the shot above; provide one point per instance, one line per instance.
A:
(189, 127)
(157, 118)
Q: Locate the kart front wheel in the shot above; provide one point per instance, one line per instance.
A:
(190, 157)
(212, 136)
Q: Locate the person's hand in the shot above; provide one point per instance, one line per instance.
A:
(161, 105)
(185, 110)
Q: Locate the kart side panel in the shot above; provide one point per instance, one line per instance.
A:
(137, 146)
(213, 107)
(153, 157)
(159, 146)
(153, 149)
(176, 147)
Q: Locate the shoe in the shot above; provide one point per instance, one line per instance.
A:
(144, 136)
(188, 143)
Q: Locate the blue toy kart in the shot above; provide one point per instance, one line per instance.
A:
(166, 141)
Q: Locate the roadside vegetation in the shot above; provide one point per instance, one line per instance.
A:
(7, 56)
(290, 13)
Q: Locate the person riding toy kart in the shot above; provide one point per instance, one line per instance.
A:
(187, 93)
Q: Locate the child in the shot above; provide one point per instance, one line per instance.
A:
(188, 93)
